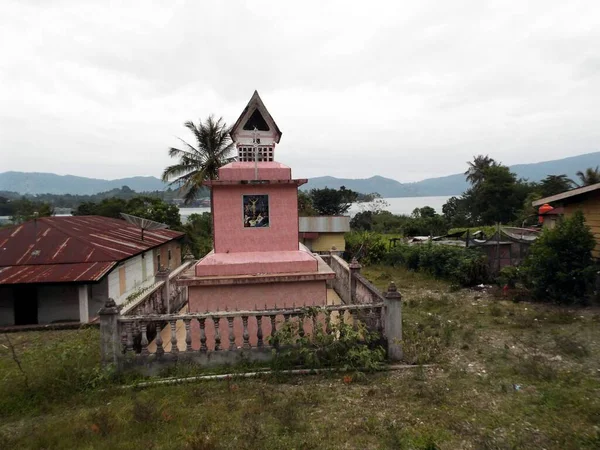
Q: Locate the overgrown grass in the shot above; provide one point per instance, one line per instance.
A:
(507, 376)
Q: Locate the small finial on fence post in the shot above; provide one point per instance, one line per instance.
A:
(393, 322)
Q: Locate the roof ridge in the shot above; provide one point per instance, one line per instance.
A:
(79, 239)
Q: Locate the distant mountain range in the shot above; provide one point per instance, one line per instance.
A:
(49, 183)
(454, 184)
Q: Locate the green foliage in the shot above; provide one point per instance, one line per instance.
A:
(488, 231)
(198, 231)
(509, 276)
(305, 207)
(559, 267)
(202, 162)
(423, 222)
(554, 184)
(463, 266)
(367, 247)
(332, 202)
(589, 176)
(148, 207)
(23, 209)
(351, 347)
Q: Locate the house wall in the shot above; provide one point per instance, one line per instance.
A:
(139, 272)
(98, 294)
(7, 312)
(325, 241)
(58, 303)
(590, 206)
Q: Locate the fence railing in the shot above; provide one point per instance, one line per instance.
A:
(150, 342)
(164, 296)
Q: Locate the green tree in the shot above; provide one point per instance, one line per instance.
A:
(305, 207)
(590, 176)
(202, 162)
(424, 212)
(555, 184)
(198, 234)
(25, 209)
(332, 202)
(559, 266)
(155, 209)
(476, 172)
(455, 213)
(498, 198)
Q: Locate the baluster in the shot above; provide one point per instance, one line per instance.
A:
(188, 335)
(203, 347)
(129, 331)
(354, 314)
(144, 340)
(159, 342)
(301, 325)
(231, 334)
(273, 318)
(314, 324)
(216, 321)
(286, 318)
(174, 348)
(379, 320)
(245, 334)
(259, 332)
(328, 322)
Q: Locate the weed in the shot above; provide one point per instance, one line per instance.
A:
(570, 346)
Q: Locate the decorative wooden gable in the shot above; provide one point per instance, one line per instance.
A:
(255, 122)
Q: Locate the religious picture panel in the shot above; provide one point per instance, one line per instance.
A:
(256, 210)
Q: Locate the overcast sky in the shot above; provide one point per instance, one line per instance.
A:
(403, 89)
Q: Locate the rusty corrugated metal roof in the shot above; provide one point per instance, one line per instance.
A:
(72, 241)
(55, 273)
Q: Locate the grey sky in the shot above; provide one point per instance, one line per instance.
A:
(407, 90)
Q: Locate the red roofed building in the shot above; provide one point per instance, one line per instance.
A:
(57, 269)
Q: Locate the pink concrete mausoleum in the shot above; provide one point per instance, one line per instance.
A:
(257, 260)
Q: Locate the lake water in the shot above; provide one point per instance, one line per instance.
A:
(397, 205)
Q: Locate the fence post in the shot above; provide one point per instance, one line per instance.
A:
(110, 340)
(165, 294)
(354, 267)
(393, 322)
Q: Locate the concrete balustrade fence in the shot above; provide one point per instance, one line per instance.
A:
(148, 343)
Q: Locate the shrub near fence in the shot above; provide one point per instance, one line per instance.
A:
(463, 266)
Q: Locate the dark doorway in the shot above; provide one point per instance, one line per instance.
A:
(26, 305)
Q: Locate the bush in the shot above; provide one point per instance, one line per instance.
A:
(509, 276)
(463, 266)
(368, 248)
(559, 266)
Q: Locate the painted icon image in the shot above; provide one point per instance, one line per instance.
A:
(256, 210)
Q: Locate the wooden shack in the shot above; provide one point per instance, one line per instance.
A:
(585, 199)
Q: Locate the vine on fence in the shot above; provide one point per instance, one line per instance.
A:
(331, 344)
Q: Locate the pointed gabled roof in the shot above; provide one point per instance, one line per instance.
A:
(255, 114)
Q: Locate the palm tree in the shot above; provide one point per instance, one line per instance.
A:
(590, 176)
(200, 163)
(476, 172)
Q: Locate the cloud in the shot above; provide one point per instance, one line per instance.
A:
(406, 90)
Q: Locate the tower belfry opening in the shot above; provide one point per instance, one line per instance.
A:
(257, 121)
